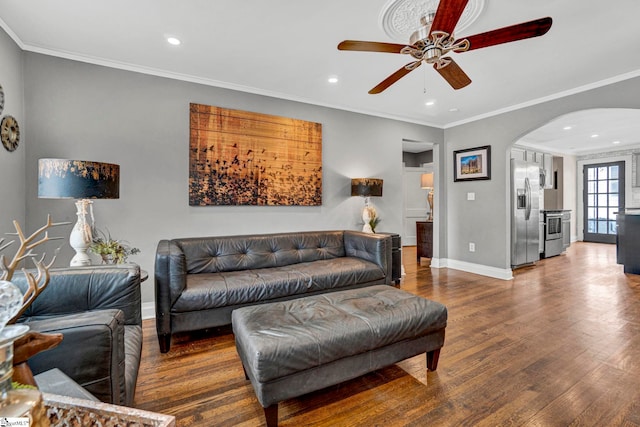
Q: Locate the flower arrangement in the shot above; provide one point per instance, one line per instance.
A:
(111, 250)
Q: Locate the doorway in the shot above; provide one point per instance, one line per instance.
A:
(603, 196)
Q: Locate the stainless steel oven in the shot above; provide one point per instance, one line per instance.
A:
(553, 226)
(553, 244)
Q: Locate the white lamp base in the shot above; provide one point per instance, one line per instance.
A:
(81, 235)
(368, 213)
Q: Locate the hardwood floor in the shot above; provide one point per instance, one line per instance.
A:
(559, 345)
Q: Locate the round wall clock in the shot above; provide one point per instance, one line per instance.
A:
(9, 133)
(1, 99)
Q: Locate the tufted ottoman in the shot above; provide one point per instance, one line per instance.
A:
(294, 347)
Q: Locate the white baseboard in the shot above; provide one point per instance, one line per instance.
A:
(483, 270)
(148, 310)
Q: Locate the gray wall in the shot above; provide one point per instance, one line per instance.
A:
(88, 112)
(415, 160)
(485, 221)
(12, 186)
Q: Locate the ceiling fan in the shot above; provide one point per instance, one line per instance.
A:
(434, 39)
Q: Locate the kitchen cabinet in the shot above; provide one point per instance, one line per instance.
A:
(547, 165)
(628, 240)
(424, 236)
(566, 229)
(518, 153)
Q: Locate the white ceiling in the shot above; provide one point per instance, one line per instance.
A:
(287, 49)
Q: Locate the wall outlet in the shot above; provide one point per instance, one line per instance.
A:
(471, 196)
(472, 247)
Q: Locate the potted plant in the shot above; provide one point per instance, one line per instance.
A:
(111, 250)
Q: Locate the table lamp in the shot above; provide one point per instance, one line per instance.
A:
(426, 183)
(367, 187)
(81, 180)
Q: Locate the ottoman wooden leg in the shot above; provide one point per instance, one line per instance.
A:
(246, 377)
(271, 415)
(432, 359)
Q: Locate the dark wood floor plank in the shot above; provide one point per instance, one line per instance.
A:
(557, 345)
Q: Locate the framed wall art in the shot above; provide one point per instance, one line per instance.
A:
(244, 158)
(472, 164)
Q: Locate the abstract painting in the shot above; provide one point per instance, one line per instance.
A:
(244, 158)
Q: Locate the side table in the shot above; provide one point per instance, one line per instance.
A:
(396, 257)
(424, 236)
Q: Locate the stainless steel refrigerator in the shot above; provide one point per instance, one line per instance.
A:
(525, 212)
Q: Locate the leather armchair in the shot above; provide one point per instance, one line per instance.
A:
(98, 311)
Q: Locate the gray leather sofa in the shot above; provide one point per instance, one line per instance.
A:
(98, 311)
(200, 281)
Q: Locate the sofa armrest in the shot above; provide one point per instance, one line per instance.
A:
(80, 289)
(92, 351)
(170, 280)
(371, 247)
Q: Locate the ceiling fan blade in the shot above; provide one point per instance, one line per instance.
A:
(452, 73)
(395, 77)
(512, 33)
(448, 15)
(364, 46)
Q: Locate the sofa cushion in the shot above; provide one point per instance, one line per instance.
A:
(211, 290)
(232, 253)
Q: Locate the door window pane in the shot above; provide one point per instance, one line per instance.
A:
(603, 213)
(612, 214)
(602, 227)
(613, 186)
(602, 172)
(591, 187)
(591, 226)
(591, 174)
(613, 200)
(602, 200)
(602, 186)
(591, 213)
(613, 172)
(613, 229)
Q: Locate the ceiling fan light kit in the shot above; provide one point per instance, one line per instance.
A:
(434, 39)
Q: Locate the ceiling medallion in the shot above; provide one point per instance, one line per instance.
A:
(400, 18)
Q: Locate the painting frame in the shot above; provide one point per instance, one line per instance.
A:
(472, 164)
(244, 158)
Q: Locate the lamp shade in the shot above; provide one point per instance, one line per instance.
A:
(426, 180)
(366, 187)
(77, 179)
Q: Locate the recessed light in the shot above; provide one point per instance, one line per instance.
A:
(595, 135)
(174, 41)
(429, 103)
(332, 79)
(616, 142)
(567, 128)
(453, 110)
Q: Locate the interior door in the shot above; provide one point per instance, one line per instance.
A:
(416, 207)
(603, 197)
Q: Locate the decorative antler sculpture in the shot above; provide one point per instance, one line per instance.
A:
(31, 343)
(38, 282)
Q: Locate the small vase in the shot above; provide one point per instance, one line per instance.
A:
(22, 404)
(108, 259)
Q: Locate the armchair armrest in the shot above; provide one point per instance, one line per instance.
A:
(79, 289)
(371, 247)
(92, 351)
